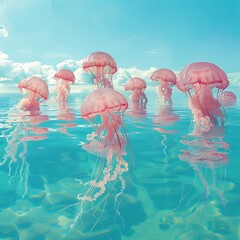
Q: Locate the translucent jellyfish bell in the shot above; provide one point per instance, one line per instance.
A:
(197, 80)
(64, 78)
(102, 67)
(137, 86)
(166, 79)
(36, 90)
(110, 105)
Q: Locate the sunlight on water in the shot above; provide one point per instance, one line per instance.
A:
(164, 182)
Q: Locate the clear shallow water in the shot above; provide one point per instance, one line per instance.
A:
(161, 196)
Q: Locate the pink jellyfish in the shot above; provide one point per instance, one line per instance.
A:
(228, 98)
(166, 79)
(197, 80)
(102, 67)
(108, 141)
(36, 89)
(64, 78)
(137, 86)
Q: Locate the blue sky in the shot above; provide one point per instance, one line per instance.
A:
(140, 33)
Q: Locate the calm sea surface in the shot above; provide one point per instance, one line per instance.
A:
(166, 184)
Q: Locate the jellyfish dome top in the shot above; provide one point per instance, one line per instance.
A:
(137, 86)
(164, 75)
(102, 67)
(110, 106)
(197, 80)
(64, 78)
(36, 90)
(167, 79)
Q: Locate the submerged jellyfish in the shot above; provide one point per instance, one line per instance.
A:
(166, 79)
(36, 90)
(102, 67)
(197, 80)
(108, 141)
(205, 154)
(137, 86)
(20, 128)
(64, 79)
(228, 98)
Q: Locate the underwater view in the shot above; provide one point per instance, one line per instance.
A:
(119, 120)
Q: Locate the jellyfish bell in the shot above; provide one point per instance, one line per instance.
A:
(228, 98)
(198, 80)
(64, 78)
(102, 67)
(110, 106)
(137, 86)
(36, 90)
(166, 79)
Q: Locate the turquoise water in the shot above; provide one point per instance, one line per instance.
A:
(160, 195)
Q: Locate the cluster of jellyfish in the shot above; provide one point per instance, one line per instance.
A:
(104, 108)
(204, 84)
(24, 119)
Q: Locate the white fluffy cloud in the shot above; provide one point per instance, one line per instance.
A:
(123, 75)
(3, 32)
(70, 64)
(12, 72)
(234, 78)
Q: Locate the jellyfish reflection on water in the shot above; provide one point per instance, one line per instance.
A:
(205, 154)
(67, 115)
(108, 140)
(164, 122)
(22, 120)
